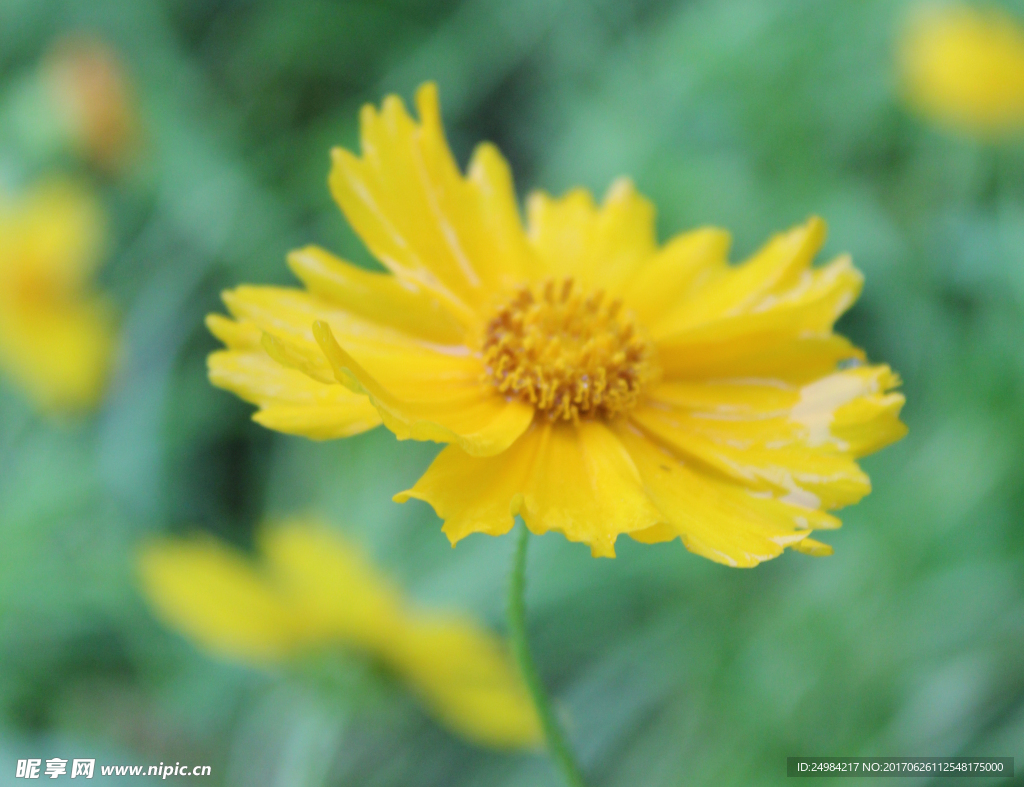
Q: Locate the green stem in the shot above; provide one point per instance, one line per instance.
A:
(554, 736)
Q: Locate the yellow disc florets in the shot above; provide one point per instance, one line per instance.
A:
(569, 354)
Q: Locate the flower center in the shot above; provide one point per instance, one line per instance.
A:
(570, 354)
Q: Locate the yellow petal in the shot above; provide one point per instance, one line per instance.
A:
(477, 494)
(965, 67)
(443, 404)
(340, 594)
(423, 391)
(599, 247)
(378, 297)
(813, 548)
(800, 318)
(289, 401)
(456, 237)
(798, 442)
(776, 267)
(443, 374)
(796, 360)
(851, 412)
(491, 179)
(811, 303)
(721, 521)
(811, 478)
(684, 265)
(212, 594)
(399, 359)
(298, 355)
(288, 314)
(578, 480)
(466, 677)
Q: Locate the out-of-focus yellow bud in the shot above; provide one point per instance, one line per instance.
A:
(964, 67)
(90, 90)
(56, 334)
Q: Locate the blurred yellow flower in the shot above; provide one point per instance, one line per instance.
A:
(90, 90)
(965, 67)
(56, 335)
(315, 590)
(584, 377)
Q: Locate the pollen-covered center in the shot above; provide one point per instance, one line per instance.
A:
(569, 353)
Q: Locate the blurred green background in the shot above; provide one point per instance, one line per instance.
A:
(671, 670)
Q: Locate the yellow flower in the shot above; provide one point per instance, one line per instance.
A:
(56, 336)
(965, 67)
(584, 377)
(315, 590)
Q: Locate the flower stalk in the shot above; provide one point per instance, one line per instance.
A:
(554, 736)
